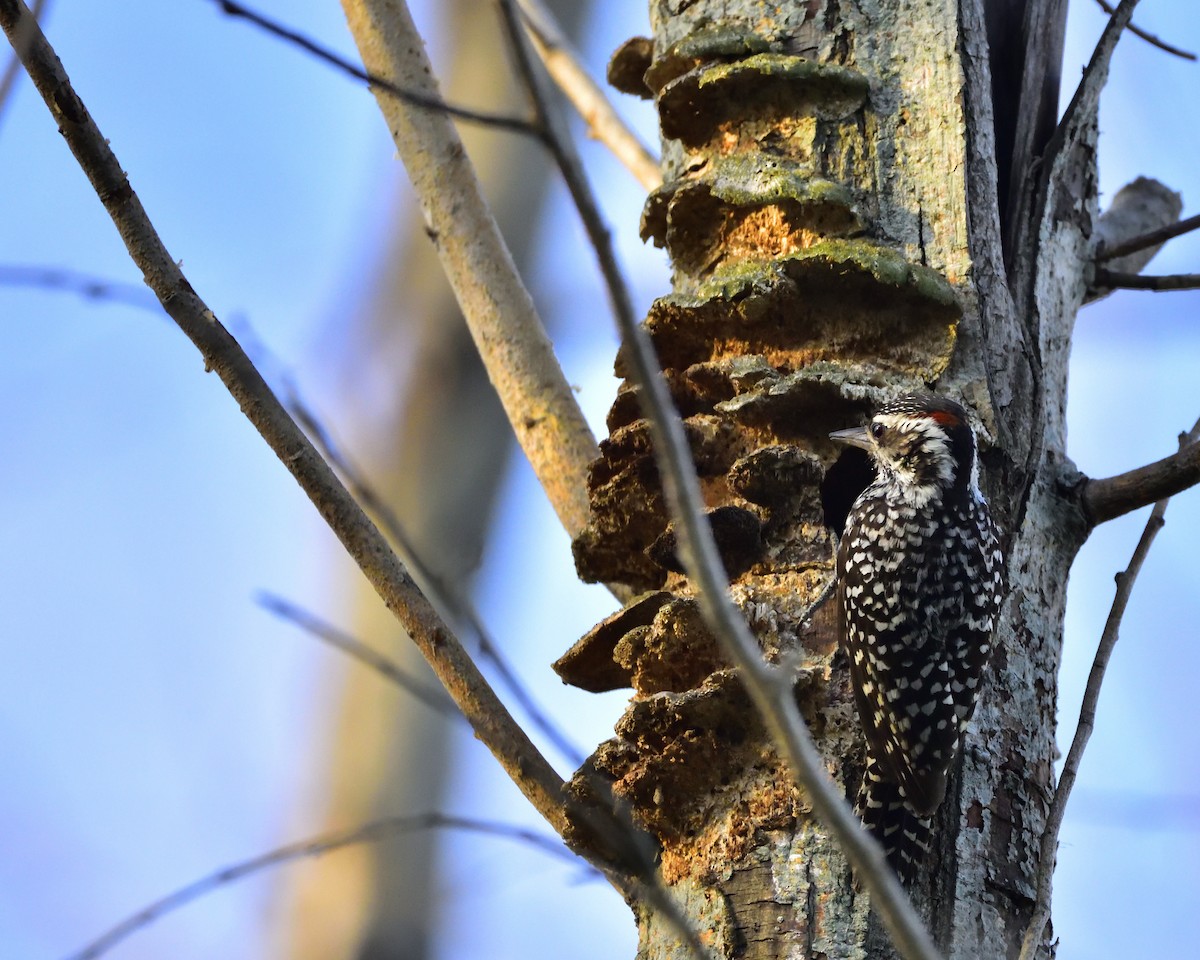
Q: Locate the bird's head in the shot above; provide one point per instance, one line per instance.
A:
(921, 443)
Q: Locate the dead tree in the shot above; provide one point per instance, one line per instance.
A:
(859, 199)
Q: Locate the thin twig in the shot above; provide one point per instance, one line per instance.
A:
(564, 64)
(12, 68)
(352, 646)
(1112, 497)
(826, 594)
(1149, 37)
(1150, 239)
(1138, 281)
(85, 285)
(370, 833)
(1087, 716)
(504, 323)
(362, 539)
(413, 98)
(771, 689)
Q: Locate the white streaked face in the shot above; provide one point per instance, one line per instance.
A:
(912, 450)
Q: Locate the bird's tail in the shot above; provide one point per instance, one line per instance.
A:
(905, 837)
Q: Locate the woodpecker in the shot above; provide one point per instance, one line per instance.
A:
(920, 574)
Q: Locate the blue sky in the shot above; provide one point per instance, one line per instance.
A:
(156, 724)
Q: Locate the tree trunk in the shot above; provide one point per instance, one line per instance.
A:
(830, 207)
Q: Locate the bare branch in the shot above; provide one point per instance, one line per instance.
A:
(1140, 207)
(770, 688)
(1149, 37)
(604, 123)
(499, 311)
(1153, 238)
(1136, 281)
(370, 833)
(1087, 714)
(363, 541)
(413, 98)
(1112, 497)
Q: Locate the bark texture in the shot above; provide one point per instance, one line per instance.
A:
(830, 206)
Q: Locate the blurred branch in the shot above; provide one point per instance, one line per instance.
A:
(1112, 497)
(1149, 37)
(352, 646)
(369, 833)
(413, 98)
(564, 64)
(1141, 208)
(71, 281)
(1087, 715)
(363, 541)
(1153, 238)
(499, 311)
(1136, 281)
(9, 79)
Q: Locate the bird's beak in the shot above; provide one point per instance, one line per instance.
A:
(855, 436)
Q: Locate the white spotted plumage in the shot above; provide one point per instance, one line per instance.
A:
(919, 583)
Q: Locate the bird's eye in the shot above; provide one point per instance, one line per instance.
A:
(877, 430)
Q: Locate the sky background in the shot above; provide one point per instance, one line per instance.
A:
(155, 724)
